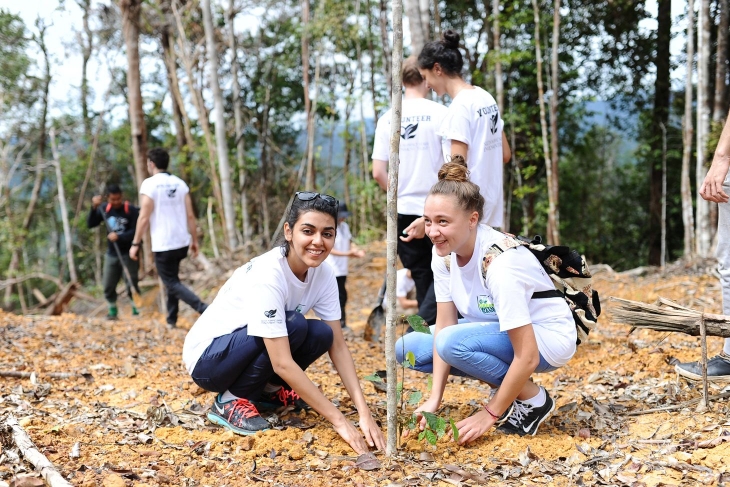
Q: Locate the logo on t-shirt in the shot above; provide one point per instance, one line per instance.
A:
(409, 131)
(493, 122)
(270, 313)
(171, 192)
(484, 305)
(248, 266)
(299, 307)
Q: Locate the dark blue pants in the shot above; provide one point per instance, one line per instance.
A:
(168, 267)
(240, 363)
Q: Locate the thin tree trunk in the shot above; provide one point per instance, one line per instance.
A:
(498, 81)
(687, 132)
(362, 204)
(220, 129)
(436, 19)
(703, 232)
(418, 33)
(392, 226)
(64, 212)
(718, 113)
(554, 100)
(310, 178)
(131, 14)
(663, 257)
(385, 42)
(551, 230)
(238, 115)
(87, 45)
(211, 230)
(19, 238)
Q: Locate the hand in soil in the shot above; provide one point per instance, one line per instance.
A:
(474, 426)
(372, 432)
(352, 436)
(430, 406)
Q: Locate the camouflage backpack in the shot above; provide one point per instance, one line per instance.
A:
(569, 272)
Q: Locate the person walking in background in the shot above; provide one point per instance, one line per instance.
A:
(420, 160)
(121, 220)
(716, 187)
(473, 127)
(404, 285)
(166, 208)
(340, 254)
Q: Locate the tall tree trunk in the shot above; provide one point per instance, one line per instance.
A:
(19, 238)
(199, 103)
(131, 14)
(660, 116)
(703, 232)
(687, 132)
(64, 211)
(238, 115)
(554, 100)
(718, 113)
(436, 19)
(392, 226)
(551, 223)
(663, 253)
(419, 32)
(220, 129)
(310, 178)
(87, 45)
(496, 36)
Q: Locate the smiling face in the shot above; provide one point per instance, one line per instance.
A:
(435, 79)
(450, 228)
(310, 241)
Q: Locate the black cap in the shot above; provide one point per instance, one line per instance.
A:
(342, 210)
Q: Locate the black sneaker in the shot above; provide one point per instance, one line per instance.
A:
(281, 399)
(718, 369)
(526, 418)
(238, 415)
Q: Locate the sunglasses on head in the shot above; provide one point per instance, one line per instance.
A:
(309, 196)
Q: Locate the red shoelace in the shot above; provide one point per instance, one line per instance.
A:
(244, 407)
(287, 396)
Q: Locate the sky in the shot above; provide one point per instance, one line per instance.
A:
(66, 55)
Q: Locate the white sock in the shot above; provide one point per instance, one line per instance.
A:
(227, 396)
(269, 388)
(538, 400)
(726, 348)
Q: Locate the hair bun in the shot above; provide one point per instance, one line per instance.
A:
(456, 170)
(451, 39)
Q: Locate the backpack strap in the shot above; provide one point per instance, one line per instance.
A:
(126, 207)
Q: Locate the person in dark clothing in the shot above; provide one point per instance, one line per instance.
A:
(121, 220)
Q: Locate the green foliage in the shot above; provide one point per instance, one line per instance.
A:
(419, 325)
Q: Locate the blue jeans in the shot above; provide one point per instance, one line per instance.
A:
(475, 350)
(240, 364)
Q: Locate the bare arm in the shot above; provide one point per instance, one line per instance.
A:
(380, 173)
(147, 204)
(711, 189)
(506, 151)
(459, 148)
(406, 303)
(192, 226)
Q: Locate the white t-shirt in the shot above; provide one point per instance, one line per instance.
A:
(169, 220)
(403, 285)
(505, 295)
(339, 263)
(473, 118)
(419, 152)
(258, 295)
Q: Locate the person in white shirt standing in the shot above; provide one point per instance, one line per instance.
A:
(420, 160)
(339, 257)
(166, 208)
(473, 126)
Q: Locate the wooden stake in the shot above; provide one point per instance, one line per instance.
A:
(704, 404)
(31, 453)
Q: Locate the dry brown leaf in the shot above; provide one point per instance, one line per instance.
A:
(367, 462)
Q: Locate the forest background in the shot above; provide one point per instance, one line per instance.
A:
(611, 130)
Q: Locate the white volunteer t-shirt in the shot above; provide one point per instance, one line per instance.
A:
(403, 285)
(169, 221)
(419, 152)
(473, 118)
(339, 263)
(505, 295)
(258, 295)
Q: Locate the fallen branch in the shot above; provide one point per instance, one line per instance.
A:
(674, 407)
(17, 374)
(667, 315)
(64, 296)
(31, 453)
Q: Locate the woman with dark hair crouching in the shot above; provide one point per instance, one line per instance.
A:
(253, 343)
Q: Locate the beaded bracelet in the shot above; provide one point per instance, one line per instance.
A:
(490, 412)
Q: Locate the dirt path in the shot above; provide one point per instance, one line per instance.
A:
(131, 416)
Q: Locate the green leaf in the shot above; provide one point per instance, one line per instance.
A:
(414, 398)
(373, 378)
(440, 426)
(418, 324)
(431, 436)
(412, 422)
(411, 358)
(399, 387)
(422, 435)
(431, 419)
(454, 429)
